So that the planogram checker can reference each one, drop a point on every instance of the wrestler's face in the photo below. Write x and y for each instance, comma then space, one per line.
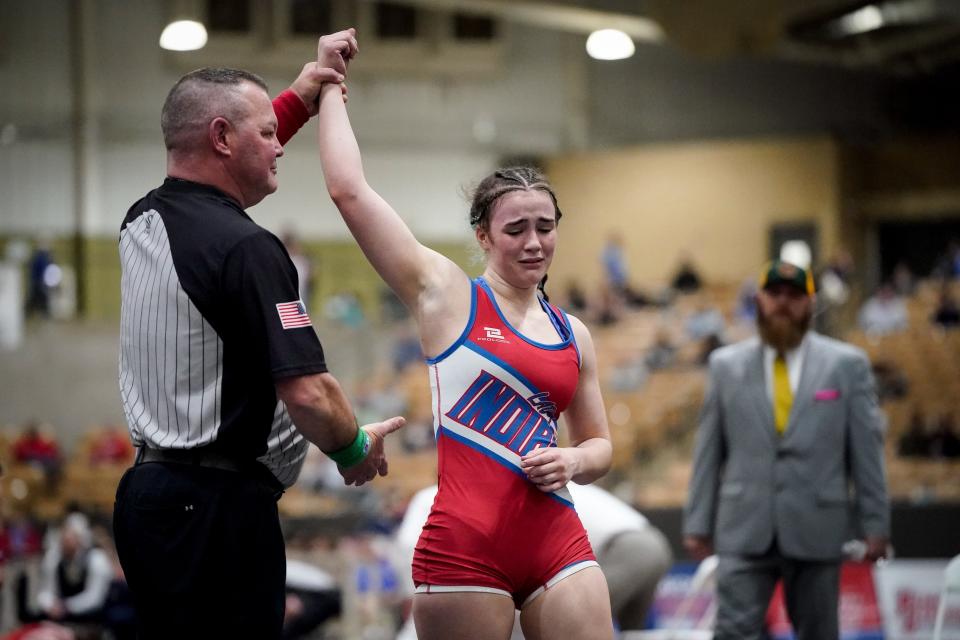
783, 315
255, 163
521, 236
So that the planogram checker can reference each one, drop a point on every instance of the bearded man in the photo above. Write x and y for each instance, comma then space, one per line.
788, 465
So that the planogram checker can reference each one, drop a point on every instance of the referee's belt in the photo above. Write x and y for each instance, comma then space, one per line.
211, 458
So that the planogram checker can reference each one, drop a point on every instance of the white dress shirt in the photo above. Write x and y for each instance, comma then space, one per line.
794, 360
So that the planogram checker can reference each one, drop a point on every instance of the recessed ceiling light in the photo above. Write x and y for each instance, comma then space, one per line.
183, 35
609, 44
862, 20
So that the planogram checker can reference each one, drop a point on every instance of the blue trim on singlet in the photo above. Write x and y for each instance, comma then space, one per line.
493, 456
550, 347
555, 319
573, 338
466, 330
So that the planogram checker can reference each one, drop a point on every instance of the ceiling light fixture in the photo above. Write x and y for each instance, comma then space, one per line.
183, 35
862, 20
609, 44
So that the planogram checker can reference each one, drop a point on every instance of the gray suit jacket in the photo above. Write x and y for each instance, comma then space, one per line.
750, 484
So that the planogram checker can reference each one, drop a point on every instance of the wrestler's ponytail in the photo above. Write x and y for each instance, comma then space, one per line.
541, 286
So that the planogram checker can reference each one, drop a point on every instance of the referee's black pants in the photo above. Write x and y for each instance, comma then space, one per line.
202, 552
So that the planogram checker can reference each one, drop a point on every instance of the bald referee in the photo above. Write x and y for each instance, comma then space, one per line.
222, 378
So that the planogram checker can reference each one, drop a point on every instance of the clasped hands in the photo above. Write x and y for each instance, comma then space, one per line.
334, 53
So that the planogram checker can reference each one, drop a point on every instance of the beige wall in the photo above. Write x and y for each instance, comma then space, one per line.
714, 201
337, 266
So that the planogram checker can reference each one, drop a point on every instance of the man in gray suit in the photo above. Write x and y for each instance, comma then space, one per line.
789, 456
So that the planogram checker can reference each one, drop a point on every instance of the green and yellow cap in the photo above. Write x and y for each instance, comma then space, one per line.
780, 272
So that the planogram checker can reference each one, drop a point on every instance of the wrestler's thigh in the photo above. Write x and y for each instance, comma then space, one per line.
462, 615
576, 608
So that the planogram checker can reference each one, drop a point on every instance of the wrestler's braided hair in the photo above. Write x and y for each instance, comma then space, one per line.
503, 181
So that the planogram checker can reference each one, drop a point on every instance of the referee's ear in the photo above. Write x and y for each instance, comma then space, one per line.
218, 132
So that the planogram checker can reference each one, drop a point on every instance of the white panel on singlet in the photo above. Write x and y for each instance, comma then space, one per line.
171, 359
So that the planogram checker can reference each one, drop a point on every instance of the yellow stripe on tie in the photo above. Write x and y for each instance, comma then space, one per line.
782, 395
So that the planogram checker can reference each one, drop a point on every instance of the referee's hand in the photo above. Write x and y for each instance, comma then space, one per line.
376, 462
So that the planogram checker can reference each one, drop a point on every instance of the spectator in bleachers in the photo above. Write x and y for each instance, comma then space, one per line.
35, 447
576, 298
391, 308
686, 279
75, 577
405, 349
710, 344
833, 294
617, 274
344, 308
615, 264
119, 618
915, 442
42, 267
904, 283
111, 446
663, 353
23, 536
840, 266
747, 302
609, 307
883, 313
948, 267
312, 598
418, 435
892, 383
628, 373
706, 326
944, 441
947, 313
705, 321
319, 473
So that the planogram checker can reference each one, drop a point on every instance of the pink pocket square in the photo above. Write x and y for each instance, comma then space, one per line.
826, 395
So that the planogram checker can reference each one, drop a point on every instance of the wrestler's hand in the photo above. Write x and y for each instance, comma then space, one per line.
376, 462
551, 468
337, 49
308, 83
699, 547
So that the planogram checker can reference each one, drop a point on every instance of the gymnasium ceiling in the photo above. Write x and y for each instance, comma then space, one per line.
901, 37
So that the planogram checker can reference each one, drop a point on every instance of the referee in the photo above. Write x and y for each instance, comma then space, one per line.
218, 362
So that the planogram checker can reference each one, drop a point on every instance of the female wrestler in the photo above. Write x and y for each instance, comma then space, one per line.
503, 364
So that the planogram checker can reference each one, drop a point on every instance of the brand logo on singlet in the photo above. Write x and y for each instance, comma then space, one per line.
492, 334
492, 407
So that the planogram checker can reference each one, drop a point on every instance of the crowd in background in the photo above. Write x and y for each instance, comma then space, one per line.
64, 573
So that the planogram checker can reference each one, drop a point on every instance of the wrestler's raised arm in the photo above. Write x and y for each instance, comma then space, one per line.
433, 287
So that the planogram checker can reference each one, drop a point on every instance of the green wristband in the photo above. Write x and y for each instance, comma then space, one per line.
354, 452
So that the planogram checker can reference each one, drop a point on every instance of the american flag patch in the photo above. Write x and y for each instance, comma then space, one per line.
293, 315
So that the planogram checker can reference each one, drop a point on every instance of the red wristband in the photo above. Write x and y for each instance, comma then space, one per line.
291, 115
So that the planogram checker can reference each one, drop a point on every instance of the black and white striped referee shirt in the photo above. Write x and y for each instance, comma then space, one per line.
210, 319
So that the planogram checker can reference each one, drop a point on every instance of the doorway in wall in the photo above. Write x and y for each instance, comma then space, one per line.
919, 244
